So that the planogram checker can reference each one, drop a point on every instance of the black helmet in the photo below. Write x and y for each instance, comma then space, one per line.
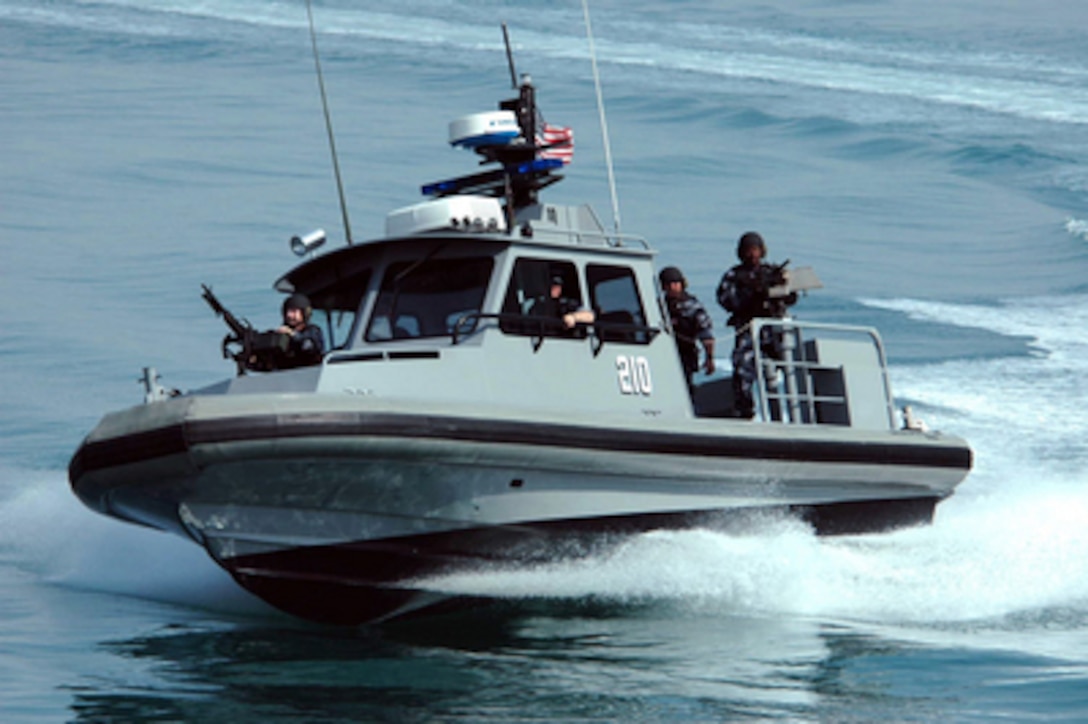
749, 240
298, 300
671, 274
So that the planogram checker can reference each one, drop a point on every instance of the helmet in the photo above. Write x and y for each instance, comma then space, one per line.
298, 300
671, 274
749, 240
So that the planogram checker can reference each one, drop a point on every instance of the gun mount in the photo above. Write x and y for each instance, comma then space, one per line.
250, 349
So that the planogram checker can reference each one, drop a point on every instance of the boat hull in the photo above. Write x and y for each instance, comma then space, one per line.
334, 511
368, 581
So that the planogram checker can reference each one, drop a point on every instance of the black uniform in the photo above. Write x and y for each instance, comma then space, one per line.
305, 346
691, 322
743, 291
554, 308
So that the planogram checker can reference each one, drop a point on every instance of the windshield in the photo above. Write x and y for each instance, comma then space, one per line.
426, 298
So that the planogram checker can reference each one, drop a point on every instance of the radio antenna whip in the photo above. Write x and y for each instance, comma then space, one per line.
509, 58
328, 124
604, 123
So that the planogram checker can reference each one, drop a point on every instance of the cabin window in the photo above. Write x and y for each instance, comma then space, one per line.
428, 298
337, 306
614, 296
529, 308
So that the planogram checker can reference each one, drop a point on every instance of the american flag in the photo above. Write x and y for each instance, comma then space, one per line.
560, 142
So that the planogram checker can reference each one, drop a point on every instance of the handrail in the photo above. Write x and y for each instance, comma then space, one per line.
610, 239
790, 397
543, 324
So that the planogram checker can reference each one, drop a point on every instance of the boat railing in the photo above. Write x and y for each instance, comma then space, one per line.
540, 327
816, 373
583, 237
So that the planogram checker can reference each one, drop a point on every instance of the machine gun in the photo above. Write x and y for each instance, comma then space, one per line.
783, 282
250, 349
762, 279
771, 288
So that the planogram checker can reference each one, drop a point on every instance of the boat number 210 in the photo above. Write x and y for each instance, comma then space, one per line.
634, 375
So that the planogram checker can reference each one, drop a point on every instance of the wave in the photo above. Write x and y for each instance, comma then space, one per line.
1045, 319
1024, 415
1012, 155
1016, 84
1077, 228
967, 566
46, 534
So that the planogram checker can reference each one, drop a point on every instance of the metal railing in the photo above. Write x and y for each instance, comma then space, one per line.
797, 382
538, 327
579, 237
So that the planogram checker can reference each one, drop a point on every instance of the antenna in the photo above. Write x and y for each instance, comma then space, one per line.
328, 124
509, 58
604, 123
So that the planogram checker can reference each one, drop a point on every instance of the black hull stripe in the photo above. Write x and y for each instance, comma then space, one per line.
179, 438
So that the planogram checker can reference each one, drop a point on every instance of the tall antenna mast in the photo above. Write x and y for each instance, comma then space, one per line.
604, 123
509, 58
328, 125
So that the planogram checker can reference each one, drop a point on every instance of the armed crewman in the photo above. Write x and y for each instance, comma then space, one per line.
745, 292
306, 343
296, 343
690, 323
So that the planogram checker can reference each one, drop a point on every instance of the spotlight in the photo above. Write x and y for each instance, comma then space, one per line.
303, 245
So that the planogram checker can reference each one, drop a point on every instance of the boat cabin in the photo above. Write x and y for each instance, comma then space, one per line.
450, 315
446, 308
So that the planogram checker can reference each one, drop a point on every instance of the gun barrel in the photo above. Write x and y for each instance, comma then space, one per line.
239, 329
210, 298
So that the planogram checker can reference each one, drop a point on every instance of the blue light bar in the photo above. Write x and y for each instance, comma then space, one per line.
538, 164
439, 187
453, 185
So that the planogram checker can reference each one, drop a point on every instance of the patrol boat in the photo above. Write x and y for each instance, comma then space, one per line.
448, 427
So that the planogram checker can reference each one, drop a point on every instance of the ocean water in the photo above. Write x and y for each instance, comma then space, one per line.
929, 159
